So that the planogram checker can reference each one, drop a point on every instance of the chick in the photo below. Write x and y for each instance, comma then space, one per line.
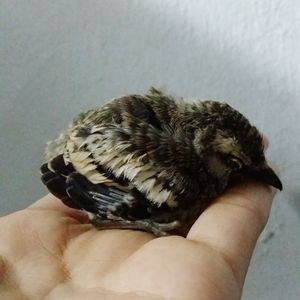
152, 162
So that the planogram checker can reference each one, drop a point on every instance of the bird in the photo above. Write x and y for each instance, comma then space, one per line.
153, 162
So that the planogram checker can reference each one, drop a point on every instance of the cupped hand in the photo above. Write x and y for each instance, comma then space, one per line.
50, 251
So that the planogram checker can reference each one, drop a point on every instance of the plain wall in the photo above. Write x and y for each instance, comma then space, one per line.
58, 58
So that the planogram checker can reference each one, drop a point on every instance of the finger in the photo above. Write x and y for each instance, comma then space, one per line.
232, 224
52, 203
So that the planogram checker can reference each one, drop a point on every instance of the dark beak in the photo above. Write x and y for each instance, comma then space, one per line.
266, 175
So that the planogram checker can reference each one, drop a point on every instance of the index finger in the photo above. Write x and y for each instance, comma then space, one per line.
233, 223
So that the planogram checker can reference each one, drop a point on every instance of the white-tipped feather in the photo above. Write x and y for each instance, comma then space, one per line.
101, 148
95, 177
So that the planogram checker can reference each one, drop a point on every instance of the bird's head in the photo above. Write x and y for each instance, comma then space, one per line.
232, 145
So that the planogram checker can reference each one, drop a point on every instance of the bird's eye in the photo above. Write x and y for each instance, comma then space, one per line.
234, 163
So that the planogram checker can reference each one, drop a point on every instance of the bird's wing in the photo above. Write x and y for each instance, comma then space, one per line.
126, 139
112, 202
108, 201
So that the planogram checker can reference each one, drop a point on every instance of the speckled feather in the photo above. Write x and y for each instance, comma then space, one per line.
144, 161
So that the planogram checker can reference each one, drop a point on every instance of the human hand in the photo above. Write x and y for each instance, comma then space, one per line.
49, 251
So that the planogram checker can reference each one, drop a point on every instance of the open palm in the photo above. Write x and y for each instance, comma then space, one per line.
49, 251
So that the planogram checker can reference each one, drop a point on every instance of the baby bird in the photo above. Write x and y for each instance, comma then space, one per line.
152, 162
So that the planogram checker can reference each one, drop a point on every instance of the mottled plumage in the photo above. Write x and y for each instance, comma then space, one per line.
152, 162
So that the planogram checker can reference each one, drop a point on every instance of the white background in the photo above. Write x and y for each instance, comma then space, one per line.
58, 58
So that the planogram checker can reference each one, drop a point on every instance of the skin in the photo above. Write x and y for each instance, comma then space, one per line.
49, 251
